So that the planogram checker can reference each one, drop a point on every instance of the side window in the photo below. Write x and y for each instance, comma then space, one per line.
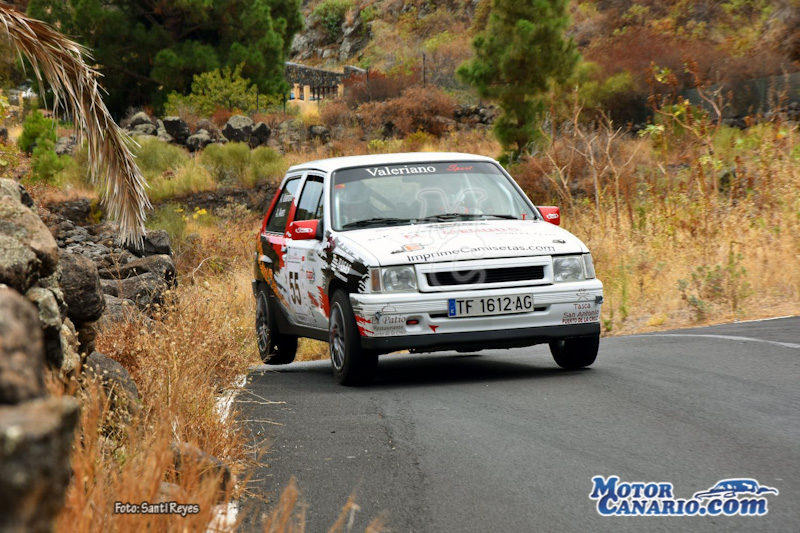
310, 205
277, 219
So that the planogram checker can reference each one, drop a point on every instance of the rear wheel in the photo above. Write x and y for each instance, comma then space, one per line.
574, 353
273, 347
352, 365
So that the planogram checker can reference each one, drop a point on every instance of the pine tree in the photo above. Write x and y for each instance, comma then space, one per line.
518, 56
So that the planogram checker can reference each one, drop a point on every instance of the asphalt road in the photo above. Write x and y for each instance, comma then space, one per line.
506, 441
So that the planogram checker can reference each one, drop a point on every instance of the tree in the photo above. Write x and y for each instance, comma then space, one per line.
518, 56
146, 49
60, 62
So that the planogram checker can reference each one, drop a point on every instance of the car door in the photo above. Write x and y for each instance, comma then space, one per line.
305, 259
272, 243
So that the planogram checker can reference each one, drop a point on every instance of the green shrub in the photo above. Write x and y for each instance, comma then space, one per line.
75, 170
265, 165
218, 89
36, 126
190, 178
367, 15
331, 15
44, 162
227, 163
155, 157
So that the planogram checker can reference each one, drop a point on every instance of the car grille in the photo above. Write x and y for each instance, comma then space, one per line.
490, 275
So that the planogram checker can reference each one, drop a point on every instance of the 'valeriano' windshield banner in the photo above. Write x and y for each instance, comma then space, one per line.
413, 169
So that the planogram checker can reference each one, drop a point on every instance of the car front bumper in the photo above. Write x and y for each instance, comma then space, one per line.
560, 311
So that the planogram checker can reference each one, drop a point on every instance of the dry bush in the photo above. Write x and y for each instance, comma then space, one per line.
418, 109
273, 120
441, 64
220, 116
585, 161
375, 86
45, 193
334, 113
639, 48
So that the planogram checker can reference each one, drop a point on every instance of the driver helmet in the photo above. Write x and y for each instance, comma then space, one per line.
353, 202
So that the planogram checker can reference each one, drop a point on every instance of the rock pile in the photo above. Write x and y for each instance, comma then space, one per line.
129, 278
176, 130
289, 135
474, 115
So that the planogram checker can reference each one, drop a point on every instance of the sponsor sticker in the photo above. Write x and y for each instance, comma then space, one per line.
581, 317
340, 267
479, 250
408, 248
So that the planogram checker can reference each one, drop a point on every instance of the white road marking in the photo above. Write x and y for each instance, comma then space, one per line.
761, 319
725, 337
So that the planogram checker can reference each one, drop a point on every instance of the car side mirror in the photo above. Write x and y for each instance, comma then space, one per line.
303, 230
551, 214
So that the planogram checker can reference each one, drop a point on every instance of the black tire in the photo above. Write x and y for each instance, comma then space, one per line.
273, 347
575, 353
352, 365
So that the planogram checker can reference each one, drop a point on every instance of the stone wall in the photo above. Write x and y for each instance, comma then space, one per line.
311, 76
55, 283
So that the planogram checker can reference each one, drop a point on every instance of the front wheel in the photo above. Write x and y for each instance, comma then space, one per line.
352, 365
273, 347
575, 353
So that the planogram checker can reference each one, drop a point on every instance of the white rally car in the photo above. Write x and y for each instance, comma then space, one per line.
420, 252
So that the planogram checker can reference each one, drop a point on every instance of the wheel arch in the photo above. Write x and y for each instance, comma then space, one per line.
335, 285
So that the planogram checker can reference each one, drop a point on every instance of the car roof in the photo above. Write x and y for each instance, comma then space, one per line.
337, 163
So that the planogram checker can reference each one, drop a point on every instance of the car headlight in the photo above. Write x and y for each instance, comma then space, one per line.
568, 268
397, 279
589, 264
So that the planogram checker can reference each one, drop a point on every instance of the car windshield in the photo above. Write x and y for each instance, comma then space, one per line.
423, 193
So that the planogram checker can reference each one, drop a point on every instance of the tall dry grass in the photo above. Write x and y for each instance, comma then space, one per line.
183, 359
691, 222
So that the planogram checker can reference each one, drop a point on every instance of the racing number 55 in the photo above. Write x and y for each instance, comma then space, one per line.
294, 287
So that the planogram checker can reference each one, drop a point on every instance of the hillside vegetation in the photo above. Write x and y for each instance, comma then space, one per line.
729, 40
691, 219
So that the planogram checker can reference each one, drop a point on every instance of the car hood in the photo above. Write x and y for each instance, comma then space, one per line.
463, 240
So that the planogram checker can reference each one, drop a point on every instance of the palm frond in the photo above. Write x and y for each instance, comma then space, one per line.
75, 89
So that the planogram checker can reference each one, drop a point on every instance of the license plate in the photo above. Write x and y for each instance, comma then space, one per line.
490, 305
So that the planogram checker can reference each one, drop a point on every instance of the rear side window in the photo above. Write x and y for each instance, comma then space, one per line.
310, 205
279, 215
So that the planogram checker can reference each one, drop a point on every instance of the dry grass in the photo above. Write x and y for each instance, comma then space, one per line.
189, 178
132, 470
685, 229
193, 350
